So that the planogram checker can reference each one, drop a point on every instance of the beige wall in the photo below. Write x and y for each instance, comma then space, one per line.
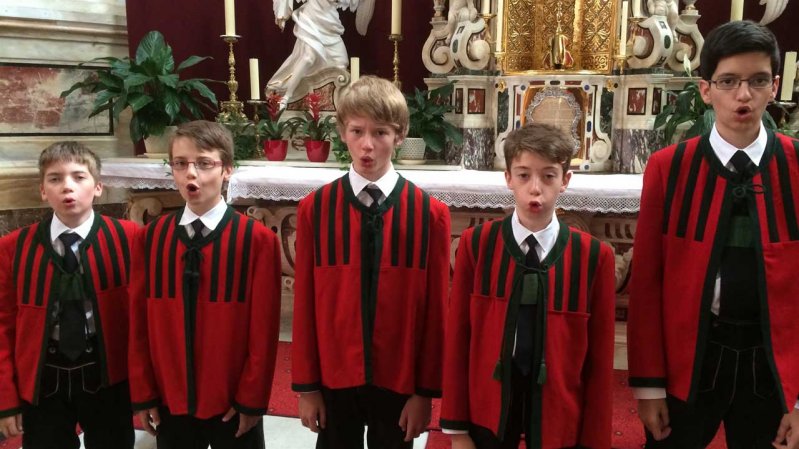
57, 32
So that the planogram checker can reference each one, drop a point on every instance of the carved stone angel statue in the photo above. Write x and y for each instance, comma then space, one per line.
318, 30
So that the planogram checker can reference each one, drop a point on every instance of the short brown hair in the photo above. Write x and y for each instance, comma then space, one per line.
69, 151
208, 136
375, 98
545, 140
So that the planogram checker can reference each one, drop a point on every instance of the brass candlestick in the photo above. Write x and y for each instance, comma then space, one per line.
487, 36
257, 104
499, 57
232, 108
396, 38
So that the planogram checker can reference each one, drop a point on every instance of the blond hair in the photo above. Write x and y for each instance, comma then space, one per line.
377, 99
545, 140
208, 136
69, 151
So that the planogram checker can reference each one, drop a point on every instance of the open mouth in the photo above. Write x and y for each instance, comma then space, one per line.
193, 188
535, 205
743, 111
69, 201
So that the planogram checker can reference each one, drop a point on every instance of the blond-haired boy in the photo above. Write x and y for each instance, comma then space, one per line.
372, 271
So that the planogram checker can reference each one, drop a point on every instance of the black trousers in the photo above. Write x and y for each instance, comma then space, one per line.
349, 409
70, 394
188, 432
736, 387
520, 409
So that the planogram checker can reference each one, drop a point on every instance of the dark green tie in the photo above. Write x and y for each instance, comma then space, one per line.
376, 195
72, 318
525, 327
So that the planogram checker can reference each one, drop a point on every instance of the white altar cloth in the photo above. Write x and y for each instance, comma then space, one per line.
611, 193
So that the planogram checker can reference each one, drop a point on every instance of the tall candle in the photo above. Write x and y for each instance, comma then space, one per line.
485, 7
355, 69
396, 16
623, 40
500, 22
230, 18
737, 10
255, 90
637, 8
788, 76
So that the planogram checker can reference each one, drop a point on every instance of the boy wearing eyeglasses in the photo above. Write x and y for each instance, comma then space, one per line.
713, 302
205, 307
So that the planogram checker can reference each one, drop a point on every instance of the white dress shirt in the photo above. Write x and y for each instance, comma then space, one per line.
386, 184
209, 219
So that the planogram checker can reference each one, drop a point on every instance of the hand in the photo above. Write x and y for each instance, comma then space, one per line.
788, 432
312, 411
654, 413
246, 422
11, 426
415, 416
462, 441
281, 23
150, 419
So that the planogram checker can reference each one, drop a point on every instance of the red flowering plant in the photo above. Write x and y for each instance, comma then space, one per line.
270, 127
312, 125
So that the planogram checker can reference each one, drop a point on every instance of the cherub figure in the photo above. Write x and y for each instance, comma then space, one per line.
318, 30
459, 10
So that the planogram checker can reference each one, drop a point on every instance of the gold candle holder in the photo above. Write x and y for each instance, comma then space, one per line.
396, 38
499, 57
233, 108
487, 36
256, 104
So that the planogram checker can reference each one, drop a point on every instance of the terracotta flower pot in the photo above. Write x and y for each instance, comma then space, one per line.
275, 150
317, 150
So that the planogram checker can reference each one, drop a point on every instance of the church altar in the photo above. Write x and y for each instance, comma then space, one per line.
604, 205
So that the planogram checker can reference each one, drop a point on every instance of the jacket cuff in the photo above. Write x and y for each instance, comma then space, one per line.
454, 425
244, 410
306, 388
10, 412
428, 393
139, 406
647, 382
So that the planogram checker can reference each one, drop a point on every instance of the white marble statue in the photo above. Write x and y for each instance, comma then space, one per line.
666, 8
459, 11
318, 30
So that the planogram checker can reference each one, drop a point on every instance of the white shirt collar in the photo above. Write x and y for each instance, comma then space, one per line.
386, 182
57, 227
209, 219
546, 237
724, 150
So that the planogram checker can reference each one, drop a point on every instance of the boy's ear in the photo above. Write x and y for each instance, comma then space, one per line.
227, 172
98, 189
507, 177
566, 178
704, 90
42, 192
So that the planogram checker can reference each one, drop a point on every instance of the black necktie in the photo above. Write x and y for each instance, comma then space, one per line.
743, 164
738, 289
526, 323
376, 195
72, 317
198, 227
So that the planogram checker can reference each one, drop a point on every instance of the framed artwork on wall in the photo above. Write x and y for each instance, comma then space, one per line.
32, 103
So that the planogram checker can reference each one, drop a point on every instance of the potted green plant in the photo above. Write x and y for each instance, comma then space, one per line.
427, 109
688, 107
150, 86
273, 130
315, 130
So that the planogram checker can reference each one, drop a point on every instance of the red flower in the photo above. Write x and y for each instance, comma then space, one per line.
313, 101
273, 106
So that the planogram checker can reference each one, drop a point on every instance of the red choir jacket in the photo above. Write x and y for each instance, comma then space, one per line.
682, 228
200, 348
370, 290
30, 270
572, 400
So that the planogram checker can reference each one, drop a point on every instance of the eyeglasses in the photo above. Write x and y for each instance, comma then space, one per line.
200, 164
755, 82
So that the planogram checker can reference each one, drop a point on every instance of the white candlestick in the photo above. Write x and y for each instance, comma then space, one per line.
500, 22
737, 10
485, 7
255, 89
637, 8
788, 76
355, 69
396, 16
230, 18
623, 40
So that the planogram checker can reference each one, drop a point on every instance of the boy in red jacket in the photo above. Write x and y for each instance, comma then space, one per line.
528, 347
64, 314
205, 307
372, 270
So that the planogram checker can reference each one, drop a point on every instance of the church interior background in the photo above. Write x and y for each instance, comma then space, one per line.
601, 69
